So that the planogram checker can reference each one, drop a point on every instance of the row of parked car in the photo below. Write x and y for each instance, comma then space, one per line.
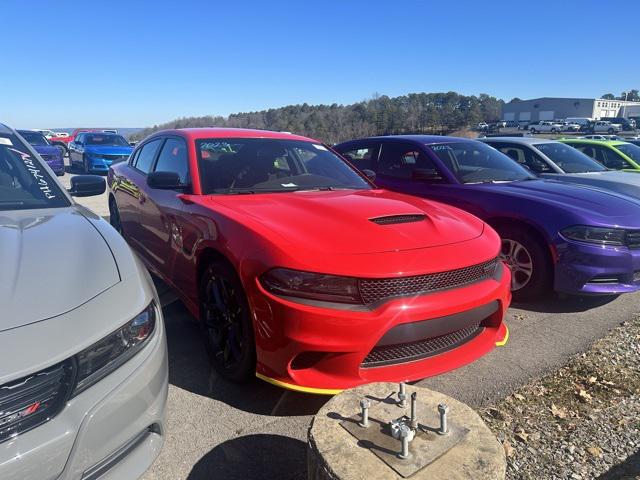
606, 125
90, 150
314, 267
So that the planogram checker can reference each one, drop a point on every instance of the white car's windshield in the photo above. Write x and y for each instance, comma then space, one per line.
24, 182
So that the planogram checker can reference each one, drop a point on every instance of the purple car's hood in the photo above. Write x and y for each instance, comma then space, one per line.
587, 199
53, 261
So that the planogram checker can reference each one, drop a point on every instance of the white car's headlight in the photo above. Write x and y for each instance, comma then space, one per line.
108, 354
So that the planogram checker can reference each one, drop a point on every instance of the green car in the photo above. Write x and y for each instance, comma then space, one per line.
613, 154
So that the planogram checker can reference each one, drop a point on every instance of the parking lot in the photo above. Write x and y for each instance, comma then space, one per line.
221, 430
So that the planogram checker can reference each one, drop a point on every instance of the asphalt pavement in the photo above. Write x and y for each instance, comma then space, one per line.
219, 430
256, 431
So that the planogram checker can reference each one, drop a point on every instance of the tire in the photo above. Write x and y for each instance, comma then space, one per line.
553, 130
611, 130
533, 130
225, 318
85, 165
64, 150
528, 249
114, 216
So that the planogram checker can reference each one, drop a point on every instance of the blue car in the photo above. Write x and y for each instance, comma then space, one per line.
51, 154
95, 152
576, 239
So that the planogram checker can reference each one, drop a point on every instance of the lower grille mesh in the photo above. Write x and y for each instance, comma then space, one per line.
408, 352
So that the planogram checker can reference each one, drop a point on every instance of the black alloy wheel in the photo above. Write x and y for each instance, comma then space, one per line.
114, 216
226, 322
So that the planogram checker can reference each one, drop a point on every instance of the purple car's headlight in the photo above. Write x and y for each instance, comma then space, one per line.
108, 354
313, 286
598, 235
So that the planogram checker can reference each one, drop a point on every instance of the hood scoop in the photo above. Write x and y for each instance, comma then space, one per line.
394, 219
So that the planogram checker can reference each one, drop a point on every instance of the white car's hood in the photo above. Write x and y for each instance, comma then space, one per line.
51, 262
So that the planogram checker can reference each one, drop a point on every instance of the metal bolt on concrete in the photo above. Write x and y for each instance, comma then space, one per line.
337, 451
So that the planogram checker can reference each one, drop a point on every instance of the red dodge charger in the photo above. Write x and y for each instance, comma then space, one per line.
299, 269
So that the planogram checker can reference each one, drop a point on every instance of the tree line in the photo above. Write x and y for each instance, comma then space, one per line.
632, 95
416, 113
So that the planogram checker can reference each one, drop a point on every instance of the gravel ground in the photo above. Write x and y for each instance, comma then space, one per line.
580, 422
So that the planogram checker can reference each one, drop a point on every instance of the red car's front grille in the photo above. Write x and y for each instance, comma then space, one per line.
408, 352
374, 290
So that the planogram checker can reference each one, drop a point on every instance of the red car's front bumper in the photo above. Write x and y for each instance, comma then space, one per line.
322, 350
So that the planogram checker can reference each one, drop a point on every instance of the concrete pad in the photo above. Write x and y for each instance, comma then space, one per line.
333, 453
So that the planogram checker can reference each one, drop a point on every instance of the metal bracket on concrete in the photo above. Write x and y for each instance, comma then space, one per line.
383, 438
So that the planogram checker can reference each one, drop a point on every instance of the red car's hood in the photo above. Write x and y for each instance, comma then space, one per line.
340, 221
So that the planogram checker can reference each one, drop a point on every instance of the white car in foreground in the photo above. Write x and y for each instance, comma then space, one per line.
83, 370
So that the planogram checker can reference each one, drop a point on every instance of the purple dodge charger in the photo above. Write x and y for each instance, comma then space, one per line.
49, 153
572, 238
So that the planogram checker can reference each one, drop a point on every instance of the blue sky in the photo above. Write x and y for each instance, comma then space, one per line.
136, 63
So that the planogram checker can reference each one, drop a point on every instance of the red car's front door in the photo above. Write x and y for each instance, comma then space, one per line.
160, 210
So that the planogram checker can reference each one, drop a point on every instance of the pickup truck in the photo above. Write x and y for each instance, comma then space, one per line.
570, 127
544, 126
604, 126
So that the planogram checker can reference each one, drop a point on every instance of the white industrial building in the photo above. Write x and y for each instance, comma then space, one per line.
549, 108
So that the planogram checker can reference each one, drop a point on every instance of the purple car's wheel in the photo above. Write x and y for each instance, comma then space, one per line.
226, 323
527, 255
518, 258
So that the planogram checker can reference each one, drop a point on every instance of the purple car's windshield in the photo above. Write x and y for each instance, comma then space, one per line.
475, 162
35, 138
630, 150
261, 165
569, 159
24, 182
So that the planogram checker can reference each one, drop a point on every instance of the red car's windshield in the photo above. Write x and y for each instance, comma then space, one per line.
255, 165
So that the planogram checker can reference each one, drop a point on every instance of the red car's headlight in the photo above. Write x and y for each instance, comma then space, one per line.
314, 286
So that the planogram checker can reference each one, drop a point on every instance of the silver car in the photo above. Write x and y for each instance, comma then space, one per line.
83, 370
561, 162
